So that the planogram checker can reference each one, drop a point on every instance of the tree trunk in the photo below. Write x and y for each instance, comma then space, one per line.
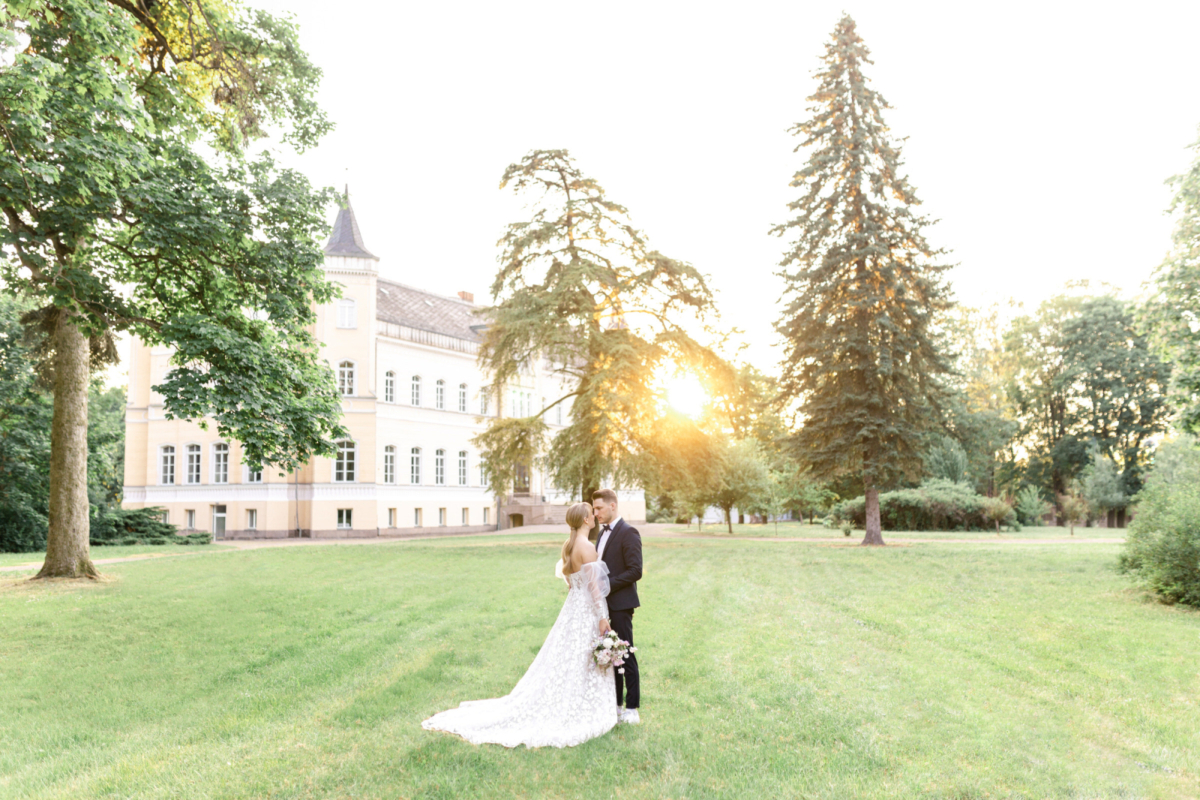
67, 552
874, 526
729, 520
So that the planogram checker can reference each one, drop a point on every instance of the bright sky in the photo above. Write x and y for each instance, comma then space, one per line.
1040, 134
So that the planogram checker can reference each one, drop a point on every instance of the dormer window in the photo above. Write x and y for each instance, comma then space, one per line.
347, 313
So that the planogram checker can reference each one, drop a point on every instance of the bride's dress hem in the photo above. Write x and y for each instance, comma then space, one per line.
563, 699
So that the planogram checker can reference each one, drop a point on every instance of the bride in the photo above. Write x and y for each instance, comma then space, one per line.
563, 699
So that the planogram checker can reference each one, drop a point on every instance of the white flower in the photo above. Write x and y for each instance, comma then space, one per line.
622, 670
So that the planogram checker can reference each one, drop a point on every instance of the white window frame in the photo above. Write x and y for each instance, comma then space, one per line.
345, 470
189, 516
486, 515
251, 519
389, 464
166, 465
439, 395
415, 396
389, 387
220, 462
347, 313
417, 515
466, 516
347, 377
462, 397
391, 517
441, 517
253, 476
190, 450
414, 466
439, 467
483, 401
462, 467
345, 519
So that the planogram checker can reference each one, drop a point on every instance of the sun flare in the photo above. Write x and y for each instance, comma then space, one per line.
686, 395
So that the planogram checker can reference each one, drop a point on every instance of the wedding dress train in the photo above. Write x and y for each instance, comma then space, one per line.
563, 698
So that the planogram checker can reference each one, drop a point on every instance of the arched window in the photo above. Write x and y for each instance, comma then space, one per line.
462, 467
347, 313
389, 464
416, 390
440, 396
346, 377
344, 462
166, 462
414, 475
462, 397
193, 463
220, 463
389, 387
439, 467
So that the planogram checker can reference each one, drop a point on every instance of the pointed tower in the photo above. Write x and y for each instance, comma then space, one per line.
345, 251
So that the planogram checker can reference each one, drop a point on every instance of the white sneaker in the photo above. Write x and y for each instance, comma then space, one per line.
629, 716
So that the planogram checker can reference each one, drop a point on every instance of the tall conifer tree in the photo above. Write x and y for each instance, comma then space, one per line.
862, 288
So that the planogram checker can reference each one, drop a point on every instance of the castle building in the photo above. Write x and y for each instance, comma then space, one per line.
405, 362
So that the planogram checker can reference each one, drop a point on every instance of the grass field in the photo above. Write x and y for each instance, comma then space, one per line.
112, 551
770, 669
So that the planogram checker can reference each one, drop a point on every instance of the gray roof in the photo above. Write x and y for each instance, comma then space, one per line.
416, 308
346, 239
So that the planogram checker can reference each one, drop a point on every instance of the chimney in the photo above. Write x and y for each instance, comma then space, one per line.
470, 298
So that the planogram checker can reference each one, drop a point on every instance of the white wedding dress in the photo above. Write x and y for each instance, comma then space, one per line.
563, 699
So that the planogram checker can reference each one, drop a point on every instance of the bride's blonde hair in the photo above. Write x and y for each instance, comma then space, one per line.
576, 517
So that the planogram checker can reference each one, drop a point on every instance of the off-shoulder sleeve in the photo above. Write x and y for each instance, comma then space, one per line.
596, 576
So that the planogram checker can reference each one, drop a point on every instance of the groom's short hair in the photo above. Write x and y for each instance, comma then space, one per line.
607, 495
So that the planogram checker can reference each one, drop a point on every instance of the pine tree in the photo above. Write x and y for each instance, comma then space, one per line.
862, 289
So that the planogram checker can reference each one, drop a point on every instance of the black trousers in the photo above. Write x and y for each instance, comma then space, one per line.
628, 687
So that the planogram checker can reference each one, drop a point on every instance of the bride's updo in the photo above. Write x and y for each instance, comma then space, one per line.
577, 516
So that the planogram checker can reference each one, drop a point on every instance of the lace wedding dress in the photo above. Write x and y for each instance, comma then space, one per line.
563, 699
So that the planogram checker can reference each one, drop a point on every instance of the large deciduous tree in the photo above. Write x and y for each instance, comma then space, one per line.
863, 289
114, 222
1171, 316
579, 288
1085, 377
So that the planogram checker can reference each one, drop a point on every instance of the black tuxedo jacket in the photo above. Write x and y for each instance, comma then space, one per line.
623, 555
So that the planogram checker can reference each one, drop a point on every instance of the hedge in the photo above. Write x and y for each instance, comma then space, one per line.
935, 505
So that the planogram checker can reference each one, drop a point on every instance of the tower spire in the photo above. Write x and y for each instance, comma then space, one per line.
346, 239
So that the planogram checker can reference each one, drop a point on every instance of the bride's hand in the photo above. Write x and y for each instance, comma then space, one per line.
604, 627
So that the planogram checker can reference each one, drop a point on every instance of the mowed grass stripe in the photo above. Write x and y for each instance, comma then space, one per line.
770, 669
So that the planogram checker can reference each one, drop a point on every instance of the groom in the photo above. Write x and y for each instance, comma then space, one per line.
619, 545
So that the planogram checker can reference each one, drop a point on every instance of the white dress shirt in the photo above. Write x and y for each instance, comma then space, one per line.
604, 538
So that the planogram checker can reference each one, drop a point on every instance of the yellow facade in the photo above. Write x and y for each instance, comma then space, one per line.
413, 396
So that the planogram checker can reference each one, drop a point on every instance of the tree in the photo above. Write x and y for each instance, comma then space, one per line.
947, 459
681, 468
1030, 506
114, 222
1171, 316
1085, 376
862, 292
1074, 508
580, 288
742, 477
995, 511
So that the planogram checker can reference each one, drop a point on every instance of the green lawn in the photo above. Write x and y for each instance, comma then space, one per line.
805, 531
113, 551
771, 669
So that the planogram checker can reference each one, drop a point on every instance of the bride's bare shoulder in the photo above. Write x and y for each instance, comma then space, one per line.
585, 549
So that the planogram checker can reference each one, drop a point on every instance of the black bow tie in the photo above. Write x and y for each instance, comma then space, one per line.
605, 528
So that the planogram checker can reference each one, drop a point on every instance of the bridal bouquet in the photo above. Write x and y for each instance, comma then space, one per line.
610, 650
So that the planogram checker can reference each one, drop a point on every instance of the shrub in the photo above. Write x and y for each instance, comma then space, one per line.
138, 526
937, 504
1030, 506
1162, 547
